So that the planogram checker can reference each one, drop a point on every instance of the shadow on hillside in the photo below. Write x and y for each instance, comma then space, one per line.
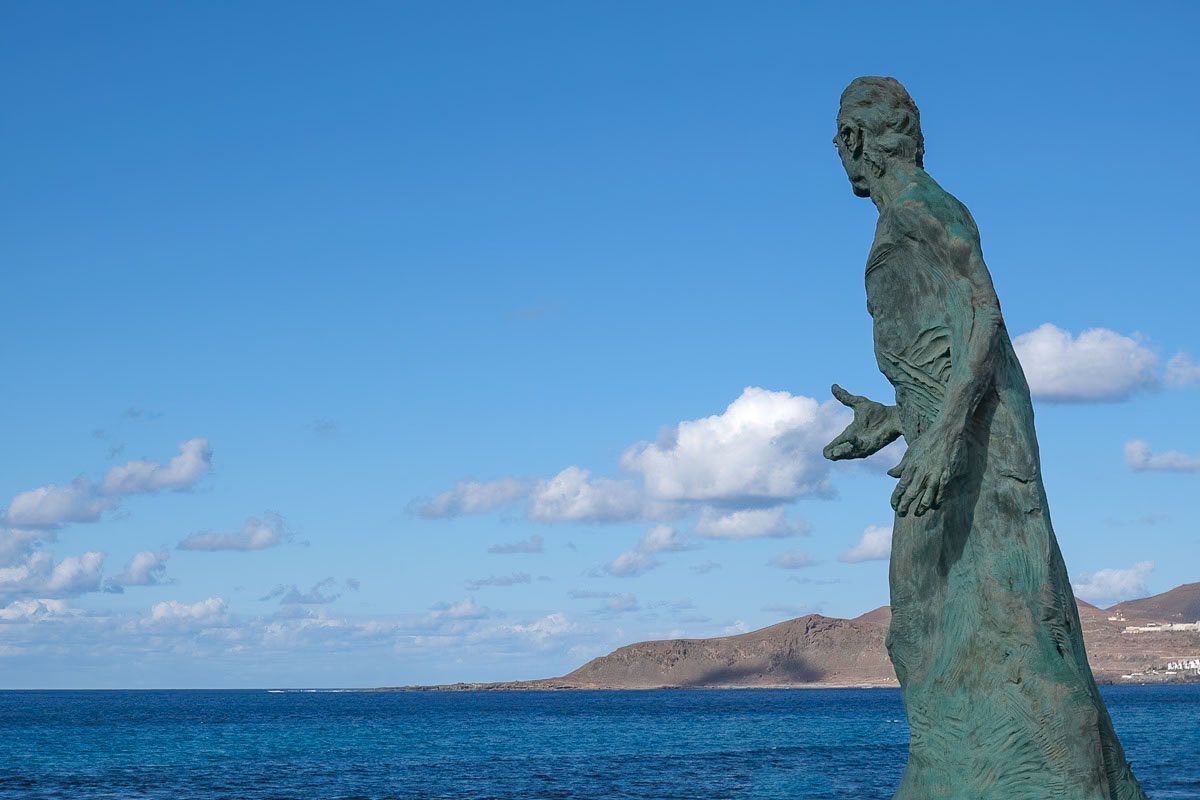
794, 671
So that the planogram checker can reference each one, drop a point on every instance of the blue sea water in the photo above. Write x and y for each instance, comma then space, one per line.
795, 744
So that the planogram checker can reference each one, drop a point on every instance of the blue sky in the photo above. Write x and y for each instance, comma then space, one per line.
309, 309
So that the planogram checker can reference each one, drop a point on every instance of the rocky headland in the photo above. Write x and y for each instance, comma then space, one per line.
1138, 641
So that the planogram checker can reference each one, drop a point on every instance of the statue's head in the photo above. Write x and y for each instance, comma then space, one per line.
878, 127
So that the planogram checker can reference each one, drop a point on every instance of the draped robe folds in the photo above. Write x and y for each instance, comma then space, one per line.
985, 634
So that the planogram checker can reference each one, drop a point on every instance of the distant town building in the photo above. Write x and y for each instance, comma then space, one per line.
1164, 627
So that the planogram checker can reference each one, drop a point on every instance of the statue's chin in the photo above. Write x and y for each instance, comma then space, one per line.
860, 191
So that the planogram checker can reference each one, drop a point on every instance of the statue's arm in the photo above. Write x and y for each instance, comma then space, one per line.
975, 326
977, 331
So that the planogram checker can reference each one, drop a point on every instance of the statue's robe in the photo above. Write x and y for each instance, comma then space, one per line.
985, 634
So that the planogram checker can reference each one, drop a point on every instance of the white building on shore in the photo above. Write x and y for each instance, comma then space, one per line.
1164, 627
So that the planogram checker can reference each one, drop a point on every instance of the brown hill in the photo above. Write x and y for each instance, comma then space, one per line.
1181, 604
814, 651
811, 651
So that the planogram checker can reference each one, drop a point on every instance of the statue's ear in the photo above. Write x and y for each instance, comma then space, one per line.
852, 140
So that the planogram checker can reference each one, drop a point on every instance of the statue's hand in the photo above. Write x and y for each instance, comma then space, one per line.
925, 471
874, 427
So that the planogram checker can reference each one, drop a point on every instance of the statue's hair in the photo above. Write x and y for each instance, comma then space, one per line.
883, 107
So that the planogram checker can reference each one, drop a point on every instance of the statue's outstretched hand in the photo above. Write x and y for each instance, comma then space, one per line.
874, 427
925, 471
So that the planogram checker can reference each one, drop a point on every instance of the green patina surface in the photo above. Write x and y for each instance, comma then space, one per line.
985, 634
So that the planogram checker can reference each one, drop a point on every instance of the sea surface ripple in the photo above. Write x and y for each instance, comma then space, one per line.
252, 745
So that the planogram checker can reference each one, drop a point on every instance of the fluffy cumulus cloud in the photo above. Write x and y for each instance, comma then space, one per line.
84, 501
473, 497
631, 563
641, 559
463, 609
36, 573
573, 495
147, 568
1113, 585
256, 534
1182, 371
1139, 456
764, 448
33, 610
214, 610
1096, 365
750, 523
53, 505
764, 445
544, 628
875, 545
16, 544
181, 472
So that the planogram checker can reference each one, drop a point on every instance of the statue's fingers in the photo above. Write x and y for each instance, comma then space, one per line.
844, 397
928, 499
913, 491
837, 450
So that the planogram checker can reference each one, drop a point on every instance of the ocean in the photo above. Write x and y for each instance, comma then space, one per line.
239, 745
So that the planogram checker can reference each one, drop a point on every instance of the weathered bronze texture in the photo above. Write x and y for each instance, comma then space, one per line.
985, 634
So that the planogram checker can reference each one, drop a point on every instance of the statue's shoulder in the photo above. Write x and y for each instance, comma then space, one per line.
925, 205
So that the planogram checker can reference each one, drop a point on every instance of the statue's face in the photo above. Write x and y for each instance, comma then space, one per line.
849, 142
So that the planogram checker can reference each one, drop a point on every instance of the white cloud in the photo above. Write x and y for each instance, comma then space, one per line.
663, 539
256, 534
31, 610
875, 545
76, 574
531, 545
38, 574
53, 505
474, 497
640, 559
573, 495
1113, 585
1097, 365
147, 568
631, 563
792, 559
547, 627
706, 567
1140, 457
84, 501
181, 472
750, 523
17, 544
212, 610
764, 445
463, 609
1182, 371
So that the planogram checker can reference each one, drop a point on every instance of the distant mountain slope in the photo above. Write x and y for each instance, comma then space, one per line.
822, 651
1181, 604
812, 650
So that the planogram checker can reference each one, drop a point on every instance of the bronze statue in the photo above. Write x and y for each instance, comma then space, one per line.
985, 633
